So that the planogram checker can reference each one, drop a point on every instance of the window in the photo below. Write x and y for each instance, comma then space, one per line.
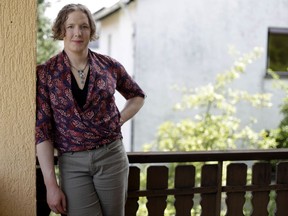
277, 50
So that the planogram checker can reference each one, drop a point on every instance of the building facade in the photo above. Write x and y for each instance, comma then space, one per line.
163, 43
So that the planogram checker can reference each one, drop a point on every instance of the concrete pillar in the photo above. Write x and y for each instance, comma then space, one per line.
17, 107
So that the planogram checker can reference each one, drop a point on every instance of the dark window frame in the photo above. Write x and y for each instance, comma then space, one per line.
275, 31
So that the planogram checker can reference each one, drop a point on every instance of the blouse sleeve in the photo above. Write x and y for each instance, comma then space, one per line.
126, 85
44, 120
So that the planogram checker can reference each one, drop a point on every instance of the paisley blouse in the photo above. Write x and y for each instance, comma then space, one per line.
58, 116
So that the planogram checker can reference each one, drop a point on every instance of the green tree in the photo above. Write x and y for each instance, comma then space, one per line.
46, 46
281, 132
216, 126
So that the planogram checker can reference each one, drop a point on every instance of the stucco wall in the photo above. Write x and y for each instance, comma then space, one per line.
186, 43
17, 92
116, 40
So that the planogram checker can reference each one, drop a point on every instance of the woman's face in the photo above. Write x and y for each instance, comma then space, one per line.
77, 32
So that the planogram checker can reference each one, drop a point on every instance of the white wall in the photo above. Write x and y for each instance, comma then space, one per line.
186, 43
116, 40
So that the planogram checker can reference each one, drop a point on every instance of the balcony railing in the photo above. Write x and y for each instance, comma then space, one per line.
220, 186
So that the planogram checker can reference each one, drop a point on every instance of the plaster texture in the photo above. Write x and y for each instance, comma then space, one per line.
17, 107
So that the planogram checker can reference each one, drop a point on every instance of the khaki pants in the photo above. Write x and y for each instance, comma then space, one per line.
95, 181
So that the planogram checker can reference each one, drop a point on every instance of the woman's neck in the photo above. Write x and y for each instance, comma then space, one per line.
77, 59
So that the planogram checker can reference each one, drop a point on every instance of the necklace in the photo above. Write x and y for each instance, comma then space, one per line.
81, 73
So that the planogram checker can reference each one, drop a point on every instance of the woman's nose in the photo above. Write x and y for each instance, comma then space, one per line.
78, 31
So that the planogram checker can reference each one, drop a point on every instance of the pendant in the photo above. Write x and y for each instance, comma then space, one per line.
82, 76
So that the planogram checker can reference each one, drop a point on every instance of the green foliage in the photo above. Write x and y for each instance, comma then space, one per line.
216, 126
281, 132
46, 47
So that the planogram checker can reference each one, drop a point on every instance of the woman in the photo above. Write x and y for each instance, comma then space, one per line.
77, 115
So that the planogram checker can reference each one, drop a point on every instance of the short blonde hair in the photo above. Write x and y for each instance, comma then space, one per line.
58, 28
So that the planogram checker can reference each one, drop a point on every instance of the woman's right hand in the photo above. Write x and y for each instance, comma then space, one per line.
56, 200
55, 197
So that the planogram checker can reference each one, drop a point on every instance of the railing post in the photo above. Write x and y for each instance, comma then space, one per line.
184, 178
236, 176
209, 178
219, 188
261, 176
157, 179
132, 205
282, 196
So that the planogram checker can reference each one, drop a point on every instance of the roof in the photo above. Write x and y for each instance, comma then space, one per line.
104, 12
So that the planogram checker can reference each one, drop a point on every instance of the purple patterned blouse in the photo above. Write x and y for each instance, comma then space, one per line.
60, 119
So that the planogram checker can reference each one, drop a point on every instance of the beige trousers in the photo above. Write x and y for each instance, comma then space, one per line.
95, 181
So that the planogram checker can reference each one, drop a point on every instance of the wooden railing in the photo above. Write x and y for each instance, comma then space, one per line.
222, 188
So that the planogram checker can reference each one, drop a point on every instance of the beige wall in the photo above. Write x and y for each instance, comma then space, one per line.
17, 81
